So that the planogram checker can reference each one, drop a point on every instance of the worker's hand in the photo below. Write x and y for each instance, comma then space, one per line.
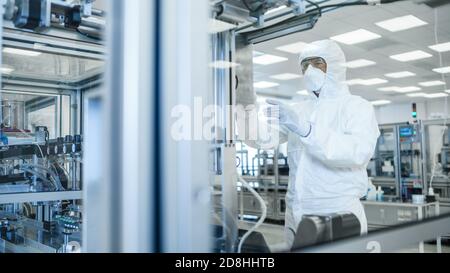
278, 111
285, 116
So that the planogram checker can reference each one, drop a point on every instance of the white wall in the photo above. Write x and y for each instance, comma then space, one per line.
401, 112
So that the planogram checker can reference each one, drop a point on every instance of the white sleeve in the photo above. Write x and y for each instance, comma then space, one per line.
352, 148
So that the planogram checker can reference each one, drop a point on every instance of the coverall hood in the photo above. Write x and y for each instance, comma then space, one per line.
333, 55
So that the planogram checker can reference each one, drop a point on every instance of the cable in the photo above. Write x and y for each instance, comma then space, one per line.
88, 36
40, 150
39, 175
316, 5
261, 219
359, 3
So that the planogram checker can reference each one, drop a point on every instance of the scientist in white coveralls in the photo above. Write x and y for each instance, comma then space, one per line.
331, 139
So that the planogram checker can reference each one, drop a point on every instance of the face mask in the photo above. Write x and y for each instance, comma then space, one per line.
314, 79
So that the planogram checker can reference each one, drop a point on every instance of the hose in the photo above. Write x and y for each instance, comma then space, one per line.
39, 175
261, 219
55, 177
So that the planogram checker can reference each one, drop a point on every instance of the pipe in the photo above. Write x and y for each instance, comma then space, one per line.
261, 219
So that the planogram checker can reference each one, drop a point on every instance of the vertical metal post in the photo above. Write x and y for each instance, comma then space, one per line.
224, 94
183, 76
397, 162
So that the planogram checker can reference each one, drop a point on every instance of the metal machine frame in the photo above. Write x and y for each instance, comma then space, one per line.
61, 42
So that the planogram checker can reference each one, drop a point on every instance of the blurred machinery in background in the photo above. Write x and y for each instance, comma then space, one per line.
52, 55
411, 158
32, 164
269, 177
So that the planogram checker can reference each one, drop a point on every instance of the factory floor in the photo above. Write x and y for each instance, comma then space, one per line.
274, 236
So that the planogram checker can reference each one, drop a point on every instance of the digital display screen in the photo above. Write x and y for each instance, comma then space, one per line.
406, 131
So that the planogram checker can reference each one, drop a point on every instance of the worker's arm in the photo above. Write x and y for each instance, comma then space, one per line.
349, 149
261, 135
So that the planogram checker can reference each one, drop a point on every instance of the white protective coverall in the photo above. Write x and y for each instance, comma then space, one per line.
328, 167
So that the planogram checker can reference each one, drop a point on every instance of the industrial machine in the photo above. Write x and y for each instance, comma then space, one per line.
52, 56
397, 166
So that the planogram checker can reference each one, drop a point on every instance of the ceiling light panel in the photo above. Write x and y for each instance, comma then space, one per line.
417, 95
431, 83
401, 23
268, 59
443, 47
359, 63
399, 75
442, 70
356, 37
436, 95
381, 102
294, 48
265, 85
366, 82
285, 77
400, 89
411, 56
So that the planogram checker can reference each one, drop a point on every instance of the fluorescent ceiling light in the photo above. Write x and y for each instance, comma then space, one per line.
355, 37
367, 82
276, 9
6, 70
359, 63
398, 75
264, 85
303, 92
22, 52
441, 47
388, 88
442, 70
431, 83
448, 91
401, 23
381, 102
400, 89
374, 81
267, 59
411, 56
416, 95
436, 95
216, 26
294, 48
353, 82
223, 65
407, 89
285, 76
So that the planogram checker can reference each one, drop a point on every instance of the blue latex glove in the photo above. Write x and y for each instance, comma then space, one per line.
285, 116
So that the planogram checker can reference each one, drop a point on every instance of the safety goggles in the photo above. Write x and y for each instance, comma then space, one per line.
314, 61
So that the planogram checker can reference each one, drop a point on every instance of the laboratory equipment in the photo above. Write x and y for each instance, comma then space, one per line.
53, 56
397, 166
